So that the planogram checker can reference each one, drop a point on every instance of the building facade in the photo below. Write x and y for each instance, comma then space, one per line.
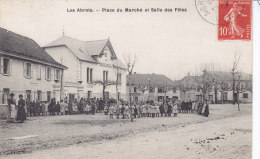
91, 65
25, 68
220, 87
155, 87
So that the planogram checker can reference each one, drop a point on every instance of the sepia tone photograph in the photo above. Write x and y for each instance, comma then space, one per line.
126, 79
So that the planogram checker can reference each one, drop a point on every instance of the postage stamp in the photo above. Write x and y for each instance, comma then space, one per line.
234, 20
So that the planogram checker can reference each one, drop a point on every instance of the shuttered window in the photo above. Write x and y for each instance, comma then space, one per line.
28, 70
5, 66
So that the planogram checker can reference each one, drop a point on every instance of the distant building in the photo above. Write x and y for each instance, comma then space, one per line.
89, 62
27, 69
221, 87
154, 87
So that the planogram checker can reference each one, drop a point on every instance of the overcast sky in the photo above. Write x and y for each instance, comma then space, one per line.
166, 43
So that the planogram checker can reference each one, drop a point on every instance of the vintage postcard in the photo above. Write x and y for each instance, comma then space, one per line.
143, 79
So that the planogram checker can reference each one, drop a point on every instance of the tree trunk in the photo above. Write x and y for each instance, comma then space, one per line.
104, 88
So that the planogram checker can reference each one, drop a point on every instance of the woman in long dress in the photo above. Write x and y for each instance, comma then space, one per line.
12, 109
21, 114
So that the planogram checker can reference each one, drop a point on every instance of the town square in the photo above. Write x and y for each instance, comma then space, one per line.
97, 83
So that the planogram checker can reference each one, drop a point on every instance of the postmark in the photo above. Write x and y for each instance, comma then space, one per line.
234, 19
208, 10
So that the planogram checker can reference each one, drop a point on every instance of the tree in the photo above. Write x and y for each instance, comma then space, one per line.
234, 71
116, 72
130, 63
104, 84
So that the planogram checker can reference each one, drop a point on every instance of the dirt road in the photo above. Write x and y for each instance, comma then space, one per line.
225, 138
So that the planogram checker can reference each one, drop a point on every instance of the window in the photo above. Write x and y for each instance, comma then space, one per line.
135, 89
5, 66
48, 96
224, 96
28, 95
119, 79
39, 95
38, 71
89, 94
151, 90
27, 70
48, 73
57, 74
174, 90
89, 75
105, 76
245, 95
5, 95
160, 90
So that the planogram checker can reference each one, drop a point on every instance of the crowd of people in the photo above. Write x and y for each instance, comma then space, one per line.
112, 108
156, 109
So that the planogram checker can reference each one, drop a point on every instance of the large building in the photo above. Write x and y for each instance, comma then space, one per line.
220, 87
154, 87
91, 65
25, 68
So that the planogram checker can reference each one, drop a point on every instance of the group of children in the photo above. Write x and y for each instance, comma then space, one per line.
148, 109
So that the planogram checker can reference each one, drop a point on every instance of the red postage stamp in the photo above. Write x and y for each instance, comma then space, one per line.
234, 19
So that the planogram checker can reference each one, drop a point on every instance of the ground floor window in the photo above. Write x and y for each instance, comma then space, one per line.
224, 96
89, 94
71, 97
106, 95
39, 95
245, 95
5, 95
49, 96
28, 95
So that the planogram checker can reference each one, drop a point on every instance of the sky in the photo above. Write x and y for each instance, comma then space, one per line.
169, 43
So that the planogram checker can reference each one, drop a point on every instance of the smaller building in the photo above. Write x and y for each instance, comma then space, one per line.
25, 68
219, 85
156, 87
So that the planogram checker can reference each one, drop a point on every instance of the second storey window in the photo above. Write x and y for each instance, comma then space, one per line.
105, 76
38, 71
119, 78
89, 75
48, 73
57, 74
5, 66
28, 71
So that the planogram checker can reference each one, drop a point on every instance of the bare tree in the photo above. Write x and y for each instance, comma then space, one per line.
130, 63
116, 72
234, 71
104, 84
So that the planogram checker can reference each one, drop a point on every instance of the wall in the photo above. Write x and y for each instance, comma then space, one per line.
77, 71
18, 84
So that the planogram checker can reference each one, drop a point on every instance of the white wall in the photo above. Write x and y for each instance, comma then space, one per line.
77, 70
18, 84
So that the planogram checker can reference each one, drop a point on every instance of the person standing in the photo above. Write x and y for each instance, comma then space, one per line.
175, 110
21, 114
11, 109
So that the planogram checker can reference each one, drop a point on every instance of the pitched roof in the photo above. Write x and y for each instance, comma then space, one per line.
156, 80
227, 76
13, 43
219, 76
86, 50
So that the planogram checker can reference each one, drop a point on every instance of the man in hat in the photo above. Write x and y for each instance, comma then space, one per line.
11, 109
21, 114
